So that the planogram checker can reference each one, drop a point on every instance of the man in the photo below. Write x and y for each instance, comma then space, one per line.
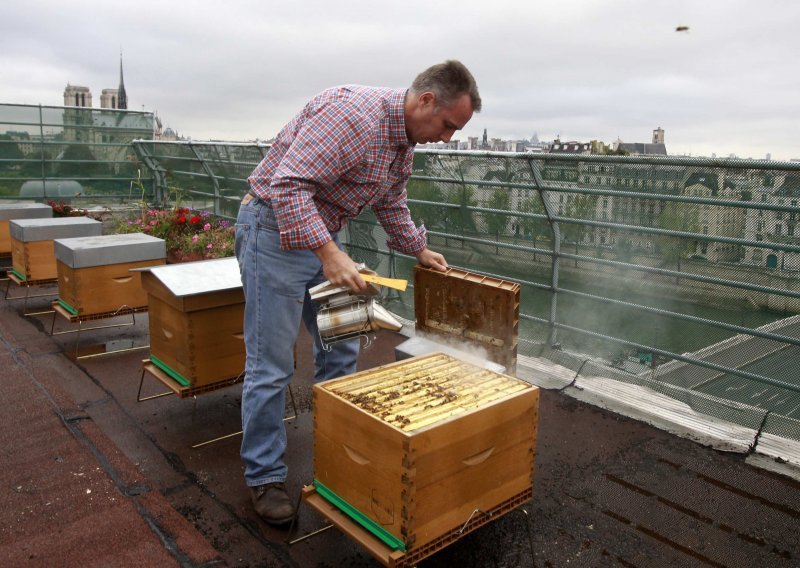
349, 147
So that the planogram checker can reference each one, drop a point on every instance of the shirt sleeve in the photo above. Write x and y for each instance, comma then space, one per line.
330, 142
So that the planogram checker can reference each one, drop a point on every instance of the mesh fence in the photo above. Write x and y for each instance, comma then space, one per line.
72, 154
680, 275
202, 175
675, 274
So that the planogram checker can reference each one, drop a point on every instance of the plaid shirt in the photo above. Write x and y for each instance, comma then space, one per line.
345, 150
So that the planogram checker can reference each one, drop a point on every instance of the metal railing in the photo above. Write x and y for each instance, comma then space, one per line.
679, 274
72, 154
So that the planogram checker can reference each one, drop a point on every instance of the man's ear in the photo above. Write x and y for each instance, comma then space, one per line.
427, 98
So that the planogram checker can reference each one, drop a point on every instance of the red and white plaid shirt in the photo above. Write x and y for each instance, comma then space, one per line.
345, 150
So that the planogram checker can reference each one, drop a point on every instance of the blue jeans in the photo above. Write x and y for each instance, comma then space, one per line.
276, 284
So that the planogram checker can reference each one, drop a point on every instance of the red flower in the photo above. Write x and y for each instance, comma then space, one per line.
181, 219
196, 219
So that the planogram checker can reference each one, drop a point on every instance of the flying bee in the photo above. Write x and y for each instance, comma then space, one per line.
682, 29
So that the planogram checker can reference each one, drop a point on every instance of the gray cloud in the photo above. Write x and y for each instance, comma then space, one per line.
584, 69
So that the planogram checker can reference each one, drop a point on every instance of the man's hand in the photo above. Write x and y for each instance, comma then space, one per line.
432, 259
339, 268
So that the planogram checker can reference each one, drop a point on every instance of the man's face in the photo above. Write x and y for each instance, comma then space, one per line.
432, 122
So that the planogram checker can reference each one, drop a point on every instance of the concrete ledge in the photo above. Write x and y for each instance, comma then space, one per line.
662, 412
544, 373
777, 454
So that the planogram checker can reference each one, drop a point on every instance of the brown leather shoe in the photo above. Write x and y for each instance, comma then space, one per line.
272, 503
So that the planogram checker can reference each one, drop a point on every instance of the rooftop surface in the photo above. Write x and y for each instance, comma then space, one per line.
92, 477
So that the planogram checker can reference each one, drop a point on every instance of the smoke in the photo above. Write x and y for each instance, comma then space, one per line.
467, 351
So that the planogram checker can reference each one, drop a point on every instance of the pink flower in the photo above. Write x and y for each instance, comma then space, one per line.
207, 227
210, 246
195, 238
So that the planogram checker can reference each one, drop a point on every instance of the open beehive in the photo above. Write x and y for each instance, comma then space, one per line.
412, 449
196, 312
95, 276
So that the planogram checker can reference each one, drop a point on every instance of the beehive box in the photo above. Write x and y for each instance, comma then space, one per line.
415, 447
32, 248
196, 312
95, 276
472, 311
9, 211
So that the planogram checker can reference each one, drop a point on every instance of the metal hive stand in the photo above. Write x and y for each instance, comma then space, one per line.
28, 284
59, 309
398, 558
181, 391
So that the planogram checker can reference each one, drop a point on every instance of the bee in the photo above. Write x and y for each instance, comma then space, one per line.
682, 29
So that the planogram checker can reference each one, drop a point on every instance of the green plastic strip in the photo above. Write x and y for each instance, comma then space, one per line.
385, 536
18, 275
171, 372
67, 307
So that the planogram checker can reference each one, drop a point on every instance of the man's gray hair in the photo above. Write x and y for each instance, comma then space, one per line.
448, 81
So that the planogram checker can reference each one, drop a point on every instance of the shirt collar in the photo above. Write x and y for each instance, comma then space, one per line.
397, 118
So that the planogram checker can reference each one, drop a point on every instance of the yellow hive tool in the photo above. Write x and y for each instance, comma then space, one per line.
396, 283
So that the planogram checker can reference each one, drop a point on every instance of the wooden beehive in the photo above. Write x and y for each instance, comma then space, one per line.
417, 446
196, 312
32, 248
95, 273
479, 311
11, 211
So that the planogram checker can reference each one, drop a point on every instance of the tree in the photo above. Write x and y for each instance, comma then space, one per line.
77, 161
530, 226
682, 217
496, 223
460, 220
424, 190
580, 207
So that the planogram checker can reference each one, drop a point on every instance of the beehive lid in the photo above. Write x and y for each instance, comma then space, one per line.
24, 211
82, 252
202, 277
423, 391
27, 230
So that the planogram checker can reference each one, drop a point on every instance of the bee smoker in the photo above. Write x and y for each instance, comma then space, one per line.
344, 314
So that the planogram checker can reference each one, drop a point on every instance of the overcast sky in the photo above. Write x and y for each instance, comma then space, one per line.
581, 69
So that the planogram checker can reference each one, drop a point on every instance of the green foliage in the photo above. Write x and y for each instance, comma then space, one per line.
682, 217
579, 207
533, 227
189, 235
496, 223
82, 163
429, 215
460, 220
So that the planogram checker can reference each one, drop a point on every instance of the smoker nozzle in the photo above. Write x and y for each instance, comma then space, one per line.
382, 319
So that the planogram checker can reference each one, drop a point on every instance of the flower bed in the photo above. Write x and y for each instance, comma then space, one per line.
189, 235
